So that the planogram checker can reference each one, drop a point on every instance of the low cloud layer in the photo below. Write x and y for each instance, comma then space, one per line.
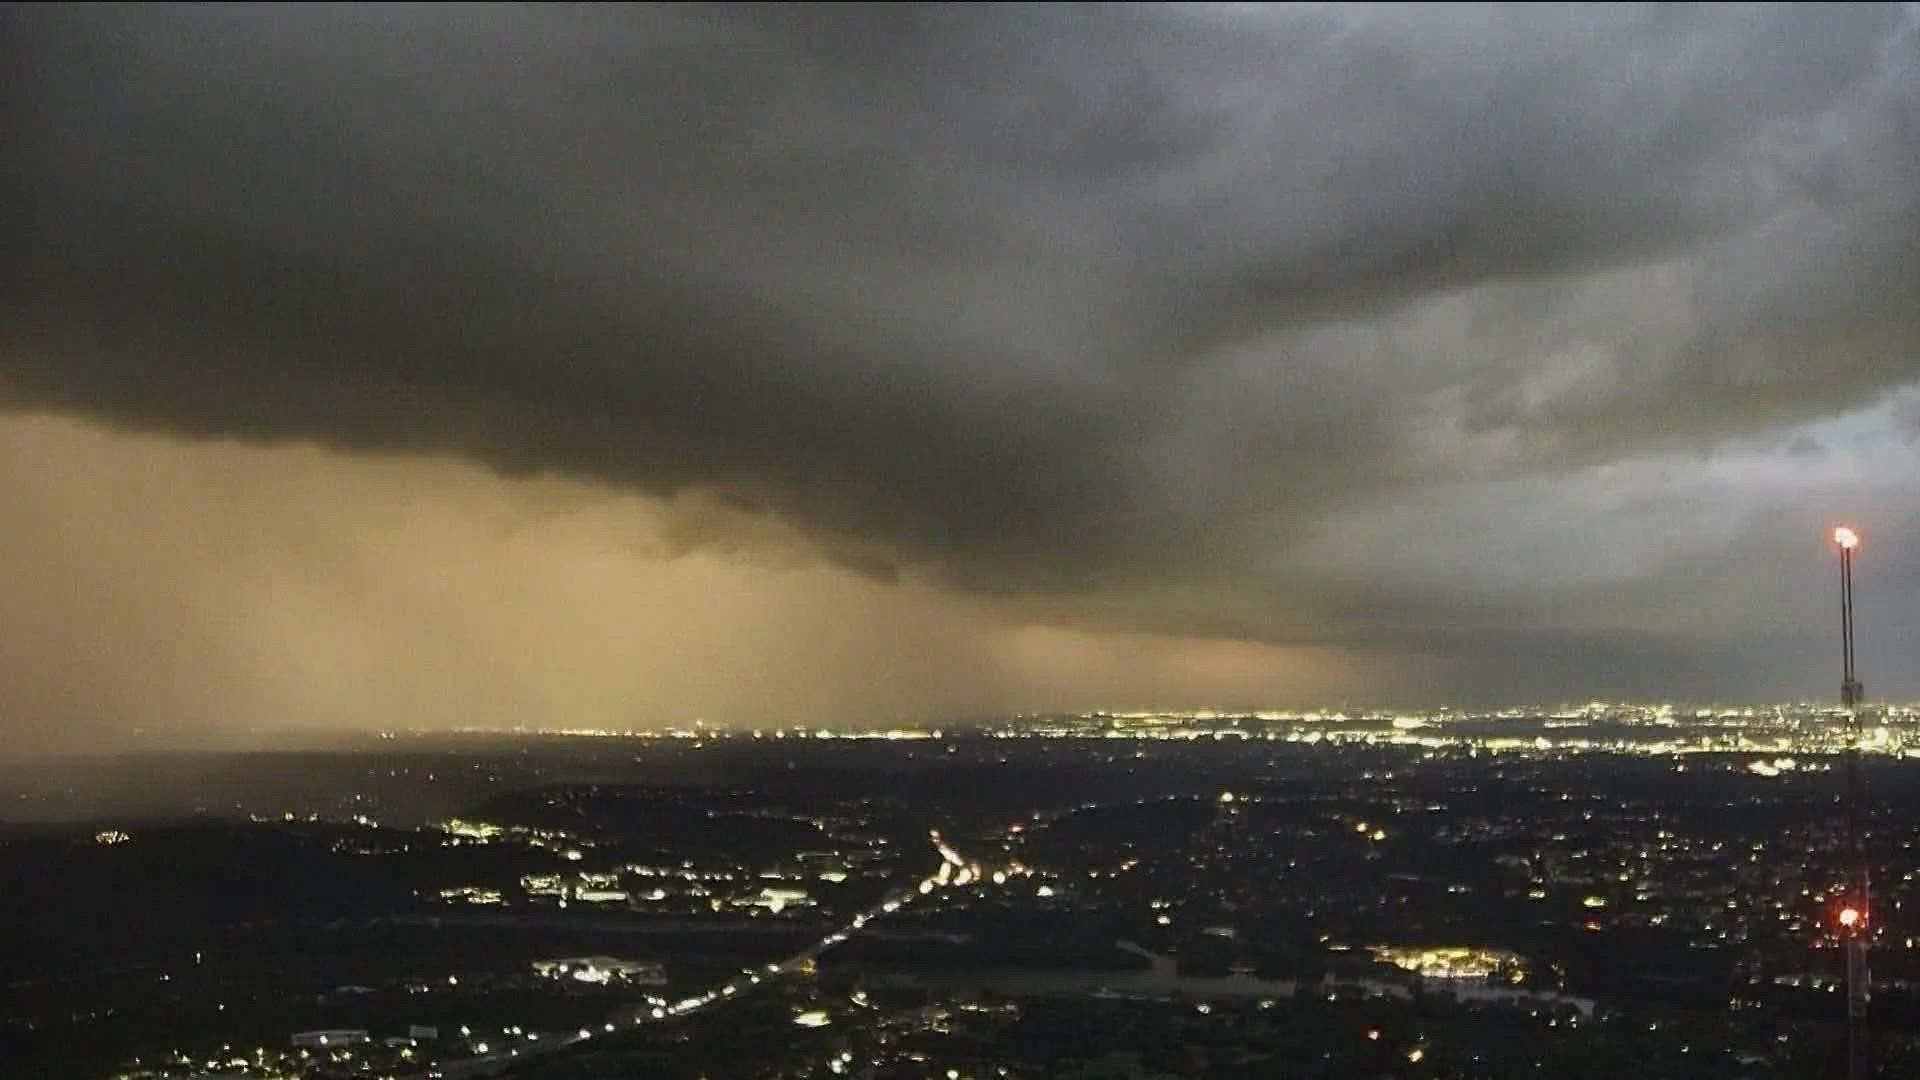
1444, 340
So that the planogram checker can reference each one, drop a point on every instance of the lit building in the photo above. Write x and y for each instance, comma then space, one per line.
603, 969
333, 1037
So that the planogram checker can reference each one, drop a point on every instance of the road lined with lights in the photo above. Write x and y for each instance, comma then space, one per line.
954, 870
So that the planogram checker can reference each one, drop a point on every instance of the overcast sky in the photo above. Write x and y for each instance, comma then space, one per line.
614, 367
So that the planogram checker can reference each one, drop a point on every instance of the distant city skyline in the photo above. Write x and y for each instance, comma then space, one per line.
490, 366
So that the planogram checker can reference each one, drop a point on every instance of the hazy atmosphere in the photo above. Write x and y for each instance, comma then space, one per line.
439, 366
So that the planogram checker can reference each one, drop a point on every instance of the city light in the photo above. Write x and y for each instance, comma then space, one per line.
1624, 868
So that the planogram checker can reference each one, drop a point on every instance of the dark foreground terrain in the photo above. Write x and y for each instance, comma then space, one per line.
1105, 901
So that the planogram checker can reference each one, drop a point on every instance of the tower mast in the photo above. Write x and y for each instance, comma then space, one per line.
1854, 922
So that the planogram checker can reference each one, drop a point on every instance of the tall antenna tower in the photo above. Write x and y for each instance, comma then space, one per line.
1854, 930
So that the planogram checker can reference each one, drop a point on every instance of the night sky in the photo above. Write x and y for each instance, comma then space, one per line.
435, 366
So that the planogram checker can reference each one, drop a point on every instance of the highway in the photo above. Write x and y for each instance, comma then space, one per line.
953, 871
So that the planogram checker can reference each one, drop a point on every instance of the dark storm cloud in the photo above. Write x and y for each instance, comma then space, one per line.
1105, 309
